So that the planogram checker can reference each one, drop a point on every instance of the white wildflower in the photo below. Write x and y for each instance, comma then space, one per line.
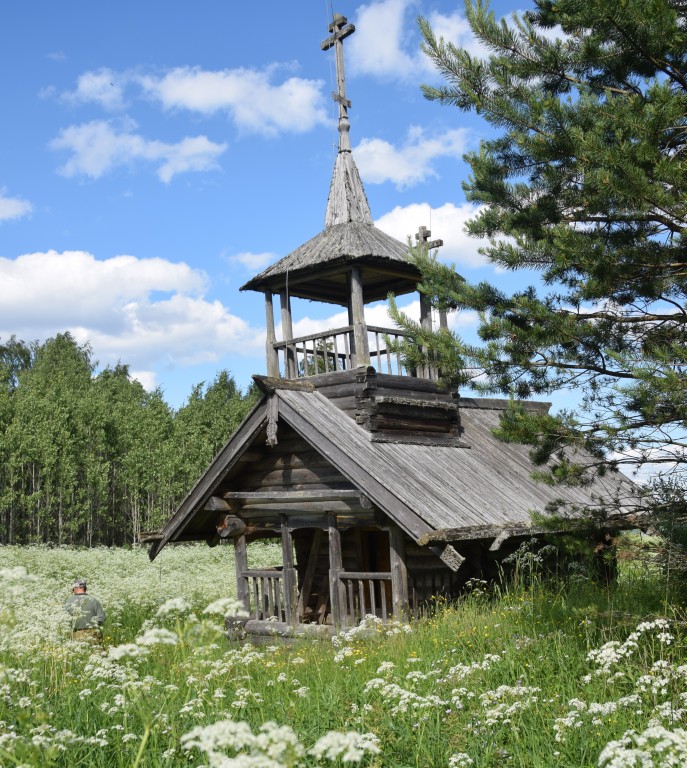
348, 747
175, 605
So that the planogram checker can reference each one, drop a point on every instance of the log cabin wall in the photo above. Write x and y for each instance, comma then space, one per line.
393, 407
290, 465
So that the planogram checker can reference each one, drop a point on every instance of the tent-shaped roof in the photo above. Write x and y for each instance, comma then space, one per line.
473, 489
317, 269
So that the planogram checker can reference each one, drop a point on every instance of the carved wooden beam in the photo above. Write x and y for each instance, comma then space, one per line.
272, 419
269, 384
216, 504
296, 497
229, 526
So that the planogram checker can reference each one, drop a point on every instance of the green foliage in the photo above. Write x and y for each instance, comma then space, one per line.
95, 458
585, 184
531, 674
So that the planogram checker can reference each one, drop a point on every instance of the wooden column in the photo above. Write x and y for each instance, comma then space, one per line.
356, 317
304, 596
271, 352
425, 372
287, 332
290, 576
443, 320
337, 596
399, 574
241, 562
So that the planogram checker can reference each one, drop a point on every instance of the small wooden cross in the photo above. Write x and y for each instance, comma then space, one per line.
423, 240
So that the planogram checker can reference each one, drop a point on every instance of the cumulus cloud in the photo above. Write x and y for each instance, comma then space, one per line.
249, 96
253, 262
144, 312
103, 86
387, 41
13, 207
99, 147
446, 223
147, 379
411, 163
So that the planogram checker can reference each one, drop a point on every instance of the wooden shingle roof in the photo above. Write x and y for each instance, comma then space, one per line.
488, 483
433, 492
317, 269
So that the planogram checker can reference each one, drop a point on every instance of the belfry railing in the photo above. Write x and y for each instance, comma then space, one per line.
329, 351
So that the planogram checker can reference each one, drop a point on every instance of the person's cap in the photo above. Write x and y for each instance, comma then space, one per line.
79, 583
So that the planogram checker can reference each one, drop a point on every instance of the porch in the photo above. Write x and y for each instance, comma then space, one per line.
331, 577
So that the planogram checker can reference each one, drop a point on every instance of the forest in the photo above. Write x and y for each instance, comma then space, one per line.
89, 456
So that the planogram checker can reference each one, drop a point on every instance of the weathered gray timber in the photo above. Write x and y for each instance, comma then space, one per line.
317, 269
385, 490
378, 527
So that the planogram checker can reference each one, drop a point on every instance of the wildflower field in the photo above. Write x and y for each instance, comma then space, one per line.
531, 674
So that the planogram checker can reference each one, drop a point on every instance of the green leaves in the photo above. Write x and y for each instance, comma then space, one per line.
95, 459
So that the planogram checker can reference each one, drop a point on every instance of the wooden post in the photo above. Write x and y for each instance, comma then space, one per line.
287, 333
425, 371
337, 595
290, 576
356, 315
443, 320
306, 588
399, 574
271, 352
241, 562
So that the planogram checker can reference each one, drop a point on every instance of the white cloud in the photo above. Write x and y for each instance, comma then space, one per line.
446, 223
253, 261
13, 207
98, 147
147, 379
103, 86
455, 29
375, 314
387, 40
383, 42
114, 304
255, 103
411, 163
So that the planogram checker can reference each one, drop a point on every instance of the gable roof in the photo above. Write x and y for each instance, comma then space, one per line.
423, 489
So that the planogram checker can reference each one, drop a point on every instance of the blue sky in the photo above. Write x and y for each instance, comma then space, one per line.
155, 156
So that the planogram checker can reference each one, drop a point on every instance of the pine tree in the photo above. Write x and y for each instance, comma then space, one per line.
586, 182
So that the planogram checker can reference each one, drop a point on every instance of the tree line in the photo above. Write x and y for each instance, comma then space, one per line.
91, 457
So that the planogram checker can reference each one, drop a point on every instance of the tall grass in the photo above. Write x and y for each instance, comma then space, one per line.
526, 674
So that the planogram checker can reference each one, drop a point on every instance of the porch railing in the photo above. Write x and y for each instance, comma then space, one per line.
366, 593
330, 351
266, 594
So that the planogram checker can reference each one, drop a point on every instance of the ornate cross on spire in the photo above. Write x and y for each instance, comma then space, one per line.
340, 30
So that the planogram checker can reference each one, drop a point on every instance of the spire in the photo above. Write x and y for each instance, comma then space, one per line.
347, 200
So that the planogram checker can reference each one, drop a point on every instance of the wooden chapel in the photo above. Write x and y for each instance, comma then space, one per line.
385, 490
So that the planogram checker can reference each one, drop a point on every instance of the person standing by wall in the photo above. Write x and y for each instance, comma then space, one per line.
87, 614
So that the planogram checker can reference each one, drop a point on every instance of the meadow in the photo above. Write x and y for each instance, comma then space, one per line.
530, 674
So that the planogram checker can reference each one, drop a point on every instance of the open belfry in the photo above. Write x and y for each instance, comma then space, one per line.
385, 490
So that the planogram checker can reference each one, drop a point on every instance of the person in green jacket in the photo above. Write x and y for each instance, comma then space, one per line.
87, 614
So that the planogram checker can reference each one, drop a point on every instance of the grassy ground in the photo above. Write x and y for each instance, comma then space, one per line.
528, 675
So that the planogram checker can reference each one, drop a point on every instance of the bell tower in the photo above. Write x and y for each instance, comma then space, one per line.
350, 263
